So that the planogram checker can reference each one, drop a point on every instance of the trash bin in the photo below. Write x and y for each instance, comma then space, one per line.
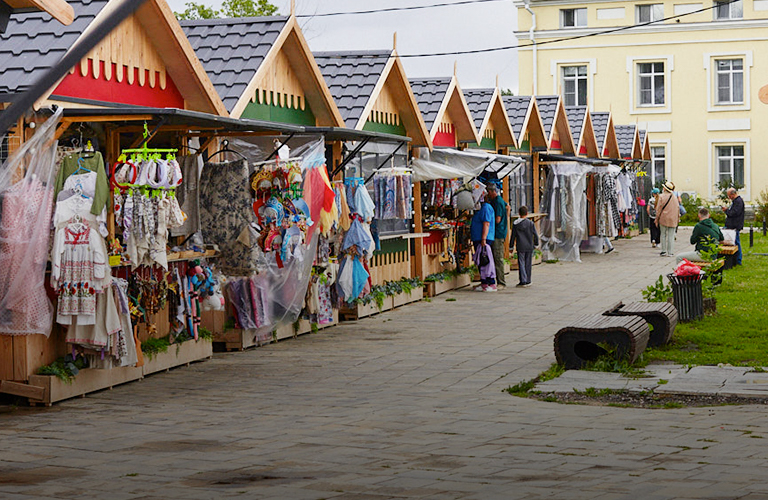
686, 292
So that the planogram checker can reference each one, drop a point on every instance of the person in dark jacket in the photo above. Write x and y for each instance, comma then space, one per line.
524, 239
734, 218
706, 236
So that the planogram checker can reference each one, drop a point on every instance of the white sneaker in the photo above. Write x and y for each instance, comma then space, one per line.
491, 288
480, 288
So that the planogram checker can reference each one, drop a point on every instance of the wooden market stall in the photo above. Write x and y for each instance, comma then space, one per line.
605, 134
582, 131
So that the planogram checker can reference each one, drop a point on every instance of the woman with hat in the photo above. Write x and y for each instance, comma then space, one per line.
651, 209
667, 218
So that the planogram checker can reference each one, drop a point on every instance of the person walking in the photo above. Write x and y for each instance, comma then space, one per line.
734, 218
706, 236
501, 213
482, 231
651, 209
668, 217
524, 239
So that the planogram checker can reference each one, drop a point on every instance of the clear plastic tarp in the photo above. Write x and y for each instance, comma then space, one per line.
565, 203
27, 181
454, 164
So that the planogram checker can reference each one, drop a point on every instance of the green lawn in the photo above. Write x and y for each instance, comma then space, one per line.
738, 333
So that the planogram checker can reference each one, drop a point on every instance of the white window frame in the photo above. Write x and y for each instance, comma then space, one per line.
710, 65
731, 10
556, 72
730, 72
714, 165
635, 108
576, 79
654, 15
665, 147
575, 18
652, 76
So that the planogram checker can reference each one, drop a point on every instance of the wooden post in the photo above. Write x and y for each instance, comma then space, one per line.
418, 243
510, 210
536, 182
113, 151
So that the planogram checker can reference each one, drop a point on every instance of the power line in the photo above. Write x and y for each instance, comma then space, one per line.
544, 42
398, 9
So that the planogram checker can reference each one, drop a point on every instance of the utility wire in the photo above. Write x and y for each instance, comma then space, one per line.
544, 42
398, 9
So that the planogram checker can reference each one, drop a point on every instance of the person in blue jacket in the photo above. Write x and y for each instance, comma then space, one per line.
482, 232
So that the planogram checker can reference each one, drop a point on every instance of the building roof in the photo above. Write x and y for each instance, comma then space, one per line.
576, 116
517, 109
59, 9
642, 136
600, 122
430, 93
352, 77
625, 135
232, 50
479, 102
33, 42
548, 110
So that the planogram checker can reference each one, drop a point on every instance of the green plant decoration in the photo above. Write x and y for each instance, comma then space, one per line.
658, 292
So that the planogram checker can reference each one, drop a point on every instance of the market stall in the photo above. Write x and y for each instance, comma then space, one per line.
525, 118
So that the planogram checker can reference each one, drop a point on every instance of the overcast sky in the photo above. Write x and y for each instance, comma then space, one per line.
441, 29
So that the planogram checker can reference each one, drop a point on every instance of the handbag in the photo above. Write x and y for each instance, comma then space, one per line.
483, 259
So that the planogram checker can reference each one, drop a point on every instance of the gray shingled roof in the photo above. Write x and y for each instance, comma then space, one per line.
34, 42
517, 108
600, 126
479, 101
642, 137
548, 110
430, 93
351, 78
625, 135
575, 116
232, 50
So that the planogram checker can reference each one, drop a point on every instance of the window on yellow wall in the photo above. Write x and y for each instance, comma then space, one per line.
730, 164
729, 9
573, 18
574, 80
650, 76
658, 164
730, 81
650, 13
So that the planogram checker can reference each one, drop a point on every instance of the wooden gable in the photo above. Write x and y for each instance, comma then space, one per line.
145, 61
532, 133
647, 148
288, 87
610, 147
58, 9
560, 137
496, 125
454, 114
392, 107
587, 140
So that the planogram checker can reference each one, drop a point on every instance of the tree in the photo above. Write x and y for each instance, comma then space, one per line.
507, 92
230, 8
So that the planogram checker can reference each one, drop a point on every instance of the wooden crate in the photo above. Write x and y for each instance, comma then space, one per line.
22, 355
434, 288
178, 355
536, 260
406, 298
352, 312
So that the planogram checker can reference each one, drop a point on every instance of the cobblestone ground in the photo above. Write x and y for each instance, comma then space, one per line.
407, 404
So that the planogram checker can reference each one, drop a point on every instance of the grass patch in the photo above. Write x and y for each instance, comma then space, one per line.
736, 333
523, 389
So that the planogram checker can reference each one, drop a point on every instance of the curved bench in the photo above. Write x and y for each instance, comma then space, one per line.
595, 335
661, 318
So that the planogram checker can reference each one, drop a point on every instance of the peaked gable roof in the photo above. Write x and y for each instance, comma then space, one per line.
523, 114
488, 109
600, 122
576, 116
440, 96
479, 102
33, 43
59, 9
645, 144
582, 131
627, 137
351, 77
554, 117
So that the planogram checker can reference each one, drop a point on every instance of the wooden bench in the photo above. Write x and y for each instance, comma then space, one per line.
661, 318
587, 338
728, 252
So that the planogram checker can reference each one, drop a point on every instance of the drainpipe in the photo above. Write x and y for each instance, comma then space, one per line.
532, 38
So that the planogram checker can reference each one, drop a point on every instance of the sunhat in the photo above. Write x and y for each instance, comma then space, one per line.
669, 186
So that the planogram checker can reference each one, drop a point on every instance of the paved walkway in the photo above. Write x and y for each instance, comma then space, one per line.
407, 404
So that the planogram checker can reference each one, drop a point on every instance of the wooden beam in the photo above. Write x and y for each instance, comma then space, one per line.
59, 9
23, 390
536, 177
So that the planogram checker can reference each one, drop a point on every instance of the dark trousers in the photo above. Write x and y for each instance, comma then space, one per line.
655, 232
524, 264
498, 260
738, 244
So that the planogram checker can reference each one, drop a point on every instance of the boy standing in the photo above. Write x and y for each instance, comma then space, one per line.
525, 239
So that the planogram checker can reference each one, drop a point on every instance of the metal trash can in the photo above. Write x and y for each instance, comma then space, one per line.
686, 292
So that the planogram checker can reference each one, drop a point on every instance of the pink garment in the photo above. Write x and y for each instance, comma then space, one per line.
27, 209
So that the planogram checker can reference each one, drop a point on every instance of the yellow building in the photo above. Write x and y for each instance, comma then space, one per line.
686, 71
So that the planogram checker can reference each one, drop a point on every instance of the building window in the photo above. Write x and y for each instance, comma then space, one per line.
658, 164
732, 9
730, 164
575, 85
730, 81
650, 84
573, 18
650, 13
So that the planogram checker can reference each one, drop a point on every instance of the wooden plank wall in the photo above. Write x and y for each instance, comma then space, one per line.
391, 266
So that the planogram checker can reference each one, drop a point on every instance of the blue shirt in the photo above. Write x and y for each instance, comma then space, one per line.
485, 214
500, 210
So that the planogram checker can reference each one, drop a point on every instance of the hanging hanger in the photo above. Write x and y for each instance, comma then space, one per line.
81, 167
227, 149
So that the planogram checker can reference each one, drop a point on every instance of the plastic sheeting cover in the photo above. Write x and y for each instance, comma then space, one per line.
26, 203
453, 164
565, 202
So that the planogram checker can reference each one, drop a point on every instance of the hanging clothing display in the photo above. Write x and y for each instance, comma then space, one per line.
393, 194
188, 195
565, 201
86, 163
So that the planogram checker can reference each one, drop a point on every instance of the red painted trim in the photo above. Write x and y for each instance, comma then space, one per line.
445, 139
101, 89
583, 150
605, 152
555, 144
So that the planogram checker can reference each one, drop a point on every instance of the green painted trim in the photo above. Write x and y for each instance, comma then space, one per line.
384, 128
393, 246
277, 114
488, 144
